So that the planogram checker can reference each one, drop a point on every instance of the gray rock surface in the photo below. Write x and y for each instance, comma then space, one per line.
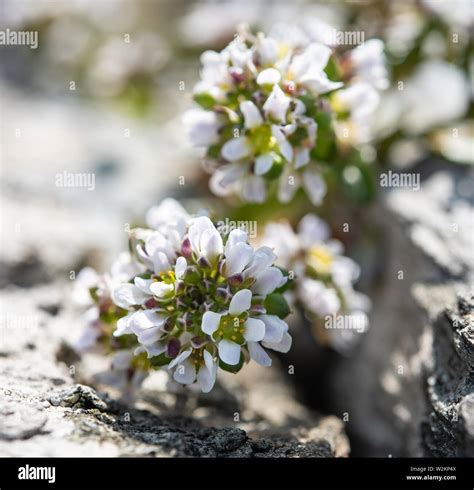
390, 389
46, 412
449, 428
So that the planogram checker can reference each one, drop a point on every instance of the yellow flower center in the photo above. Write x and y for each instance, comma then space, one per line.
320, 259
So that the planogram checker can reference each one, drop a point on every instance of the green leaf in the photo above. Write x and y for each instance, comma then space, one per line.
276, 304
161, 360
214, 151
206, 101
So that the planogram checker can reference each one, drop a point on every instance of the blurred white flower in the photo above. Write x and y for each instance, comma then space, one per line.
323, 277
437, 93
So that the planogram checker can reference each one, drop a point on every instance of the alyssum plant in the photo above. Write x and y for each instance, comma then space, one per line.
191, 299
277, 112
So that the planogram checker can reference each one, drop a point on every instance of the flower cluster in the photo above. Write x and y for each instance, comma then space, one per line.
194, 300
323, 278
274, 108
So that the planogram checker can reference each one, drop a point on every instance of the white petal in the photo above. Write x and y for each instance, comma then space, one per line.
287, 186
315, 186
258, 354
235, 236
180, 358
185, 373
263, 164
312, 230
314, 58
252, 115
318, 82
161, 289
302, 157
145, 319
263, 257
161, 263
223, 180
197, 228
169, 210
143, 284
270, 76
180, 267
277, 104
210, 322
127, 295
283, 346
146, 325
237, 258
254, 330
229, 352
268, 280
211, 245
201, 127
155, 349
284, 146
240, 302
123, 325
206, 376
253, 189
275, 328
236, 149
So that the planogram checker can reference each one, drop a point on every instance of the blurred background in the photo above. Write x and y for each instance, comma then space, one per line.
103, 94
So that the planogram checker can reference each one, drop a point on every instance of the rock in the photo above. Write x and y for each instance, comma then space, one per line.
449, 429
425, 253
46, 412
78, 396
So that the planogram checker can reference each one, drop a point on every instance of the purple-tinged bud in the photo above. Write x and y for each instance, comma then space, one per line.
186, 248
172, 348
258, 309
222, 295
150, 303
180, 286
197, 342
237, 75
204, 263
168, 325
236, 280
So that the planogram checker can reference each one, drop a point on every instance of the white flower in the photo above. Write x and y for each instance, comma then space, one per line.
236, 149
270, 76
314, 185
218, 325
199, 303
318, 298
368, 63
308, 69
438, 92
185, 371
324, 278
168, 213
205, 240
252, 115
202, 127
268, 93
277, 105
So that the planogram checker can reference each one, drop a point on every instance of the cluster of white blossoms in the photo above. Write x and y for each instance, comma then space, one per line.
190, 299
275, 110
323, 277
